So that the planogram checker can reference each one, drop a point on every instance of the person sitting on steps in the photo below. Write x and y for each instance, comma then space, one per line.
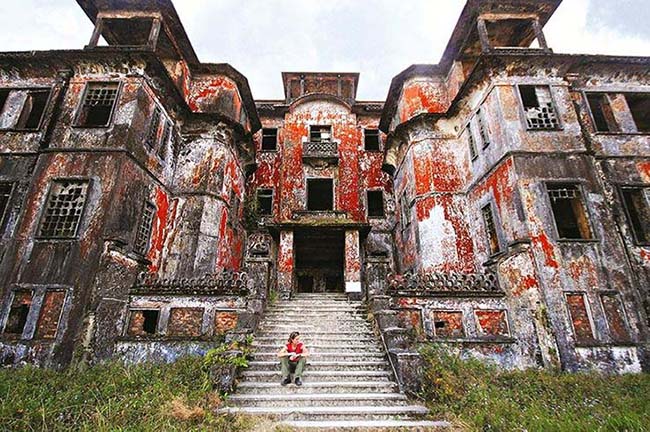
293, 357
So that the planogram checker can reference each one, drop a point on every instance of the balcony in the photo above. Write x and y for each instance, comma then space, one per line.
327, 150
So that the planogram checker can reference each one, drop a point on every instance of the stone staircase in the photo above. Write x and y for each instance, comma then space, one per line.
348, 382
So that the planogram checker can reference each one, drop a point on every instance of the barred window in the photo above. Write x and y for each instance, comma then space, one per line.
538, 107
64, 209
143, 235
97, 106
5, 195
490, 228
152, 133
472, 142
569, 211
269, 139
483, 129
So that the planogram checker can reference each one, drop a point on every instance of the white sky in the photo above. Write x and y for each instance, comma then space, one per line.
378, 38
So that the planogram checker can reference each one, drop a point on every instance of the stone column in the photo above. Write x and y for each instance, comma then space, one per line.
352, 264
285, 264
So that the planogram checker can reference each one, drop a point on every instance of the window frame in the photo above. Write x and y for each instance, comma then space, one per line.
80, 104
258, 194
471, 140
40, 313
628, 218
618, 296
383, 204
579, 185
82, 216
646, 94
489, 205
34, 89
144, 206
321, 128
463, 323
6, 312
5, 211
585, 300
479, 329
592, 118
522, 108
484, 129
276, 142
129, 316
332, 180
379, 146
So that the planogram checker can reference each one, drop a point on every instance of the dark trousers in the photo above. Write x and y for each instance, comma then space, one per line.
289, 367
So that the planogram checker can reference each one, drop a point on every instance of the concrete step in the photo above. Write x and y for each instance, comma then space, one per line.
333, 356
317, 309
367, 333
322, 348
311, 399
368, 412
308, 341
333, 317
370, 425
315, 365
248, 387
305, 328
345, 375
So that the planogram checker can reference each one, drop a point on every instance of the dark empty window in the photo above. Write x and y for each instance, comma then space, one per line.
569, 211
640, 108
483, 128
4, 94
602, 113
97, 106
164, 140
265, 202
320, 194
143, 235
472, 142
375, 203
538, 107
269, 139
320, 133
371, 139
154, 123
33, 109
490, 228
18, 312
5, 195
638, 213
143, 322
64, 209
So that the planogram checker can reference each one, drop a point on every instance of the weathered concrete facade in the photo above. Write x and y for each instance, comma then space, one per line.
495, 202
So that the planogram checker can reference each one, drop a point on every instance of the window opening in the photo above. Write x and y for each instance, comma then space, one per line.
482, 125
4, 95
18, 313
538, 106
569, 211
639, 105
143, 322
472, 142
64, 209
265, 202
602, 113
638, 213
375, 203
6, 189
152, 133
490, 228
320, 134
98, 103
320, 194
143, 234
448, 324
50, 314
371, 139
580, 318
615, 314
167, 131
33, 109
269, 139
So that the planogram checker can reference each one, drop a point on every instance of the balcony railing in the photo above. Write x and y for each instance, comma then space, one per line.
320, 149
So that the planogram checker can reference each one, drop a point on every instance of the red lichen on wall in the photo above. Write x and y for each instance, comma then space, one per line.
185, 322
583, 272
435, 168
580, 318
447, 324
159, 231
422, 97
492, 322
547, 247
48, 320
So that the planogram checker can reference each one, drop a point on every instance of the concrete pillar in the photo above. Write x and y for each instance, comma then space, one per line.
285, 264
352, 263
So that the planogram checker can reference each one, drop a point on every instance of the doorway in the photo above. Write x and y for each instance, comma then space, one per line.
319, 260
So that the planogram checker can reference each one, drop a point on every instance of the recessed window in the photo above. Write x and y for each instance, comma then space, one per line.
406, 210
265, 202
538, 107
492, 323
143, 235
639, 105
320, 134
580, 318
185, 322
491, 230
448, 324
50, 314
269, 139
601, 112
483, 128
97, 105
143, 322
164, 140
371, 139
320, 194
638, 213
33, 109
473, 152
64, 209
6, 189
615, 314
569, 211
375, 203
154, 123
18, 313
4, 95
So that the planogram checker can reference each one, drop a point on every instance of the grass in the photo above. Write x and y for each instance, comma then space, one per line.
485, 398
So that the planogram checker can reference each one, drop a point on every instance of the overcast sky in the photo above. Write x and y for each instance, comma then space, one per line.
378, 38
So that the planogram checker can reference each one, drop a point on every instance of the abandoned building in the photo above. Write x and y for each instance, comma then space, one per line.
497, 202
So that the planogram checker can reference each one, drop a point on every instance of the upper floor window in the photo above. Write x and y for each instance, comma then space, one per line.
320, 194
98, 104
164, 140
601, 112
143, 235
371, 139
538, 107
638, 213
375, 203
569, 211
320, 134
473, 152
483, 128
64, 209
265, 202
491, 229
269, 139
639, 104
154, 124
6, 188
30, 115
